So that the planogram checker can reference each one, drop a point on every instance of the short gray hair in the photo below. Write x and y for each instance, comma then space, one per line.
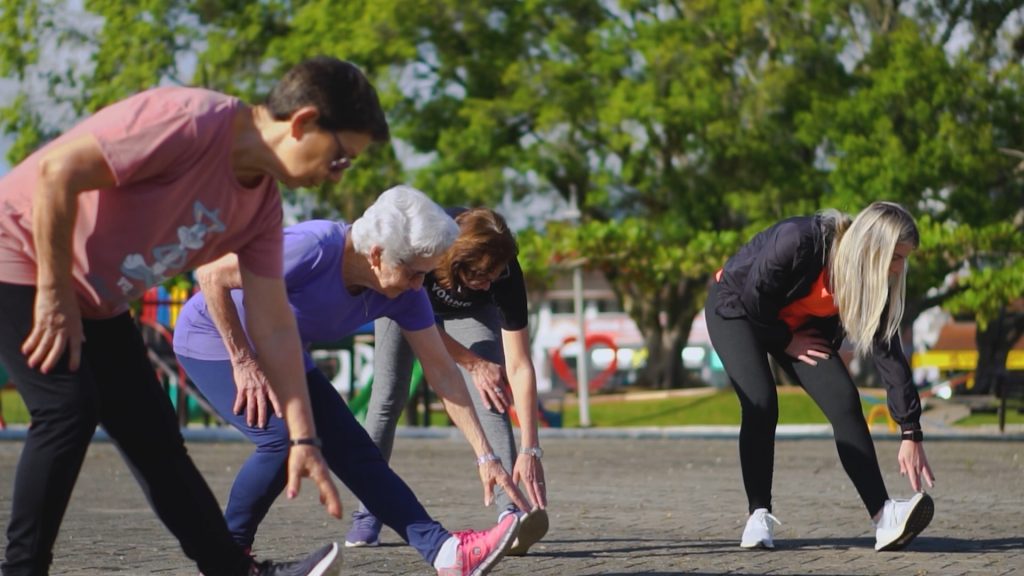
405, 223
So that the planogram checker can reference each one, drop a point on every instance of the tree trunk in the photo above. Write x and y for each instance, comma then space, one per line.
665, 324
994, 344
664, 368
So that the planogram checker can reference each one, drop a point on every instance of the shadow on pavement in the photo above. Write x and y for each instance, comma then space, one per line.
674, 573
957, 545
612, 546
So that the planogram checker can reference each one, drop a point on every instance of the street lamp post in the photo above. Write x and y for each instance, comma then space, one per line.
582, 360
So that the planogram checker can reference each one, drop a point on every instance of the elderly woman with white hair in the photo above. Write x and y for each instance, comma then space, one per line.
340, 277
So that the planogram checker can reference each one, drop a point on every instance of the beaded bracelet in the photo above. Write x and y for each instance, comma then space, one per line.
488, 457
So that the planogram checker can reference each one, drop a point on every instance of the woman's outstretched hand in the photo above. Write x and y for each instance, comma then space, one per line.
914, 465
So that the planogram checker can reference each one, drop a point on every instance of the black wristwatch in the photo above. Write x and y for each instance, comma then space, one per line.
914, 435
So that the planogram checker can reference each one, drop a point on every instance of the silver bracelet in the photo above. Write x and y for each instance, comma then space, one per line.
536, 452
488, 457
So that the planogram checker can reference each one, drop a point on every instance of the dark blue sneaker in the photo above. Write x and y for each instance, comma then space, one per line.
319, 563
365, 530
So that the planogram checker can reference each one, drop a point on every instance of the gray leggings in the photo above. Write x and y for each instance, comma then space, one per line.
392, 372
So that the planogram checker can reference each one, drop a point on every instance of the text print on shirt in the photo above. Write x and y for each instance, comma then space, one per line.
448, 299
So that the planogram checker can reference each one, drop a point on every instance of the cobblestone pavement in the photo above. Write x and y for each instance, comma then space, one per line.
618, 506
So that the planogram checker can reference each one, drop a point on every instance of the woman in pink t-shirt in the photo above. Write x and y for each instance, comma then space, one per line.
141, 191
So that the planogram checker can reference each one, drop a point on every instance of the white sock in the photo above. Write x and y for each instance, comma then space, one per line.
446, 556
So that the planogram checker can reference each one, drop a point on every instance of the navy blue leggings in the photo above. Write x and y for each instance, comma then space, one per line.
744, 353
347, 448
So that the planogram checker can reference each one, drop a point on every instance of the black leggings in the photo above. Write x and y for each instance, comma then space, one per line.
744, 354
117, 388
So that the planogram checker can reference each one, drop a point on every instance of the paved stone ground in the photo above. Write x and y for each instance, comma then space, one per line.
618, 506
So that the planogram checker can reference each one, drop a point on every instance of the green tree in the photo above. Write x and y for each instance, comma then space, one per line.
77, 62
937, 129
683, 128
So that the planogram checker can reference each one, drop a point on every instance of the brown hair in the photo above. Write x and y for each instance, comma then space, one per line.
485, 244
344, 97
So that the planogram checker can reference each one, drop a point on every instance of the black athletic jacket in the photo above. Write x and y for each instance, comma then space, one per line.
778, 266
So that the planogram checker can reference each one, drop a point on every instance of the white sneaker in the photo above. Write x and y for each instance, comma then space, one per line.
760, 530
902, 520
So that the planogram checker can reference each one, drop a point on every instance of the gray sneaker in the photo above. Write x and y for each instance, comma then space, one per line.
532, 527
319, 563
902, 521
365, 530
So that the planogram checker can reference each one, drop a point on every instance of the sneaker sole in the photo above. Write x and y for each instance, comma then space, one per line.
762, 545
327, 565
361, 544
532, 528
916, 522
498, 553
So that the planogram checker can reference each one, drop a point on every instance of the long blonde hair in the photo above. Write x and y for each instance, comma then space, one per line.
859, 264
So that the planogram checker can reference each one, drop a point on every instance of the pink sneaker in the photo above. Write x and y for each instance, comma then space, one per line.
479, 551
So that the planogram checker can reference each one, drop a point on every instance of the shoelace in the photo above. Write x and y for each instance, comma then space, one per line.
765, 518
468, 537
364, 521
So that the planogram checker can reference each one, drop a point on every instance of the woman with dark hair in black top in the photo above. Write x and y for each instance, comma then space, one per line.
479, 298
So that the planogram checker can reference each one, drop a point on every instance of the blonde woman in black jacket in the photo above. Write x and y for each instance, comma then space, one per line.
794, 292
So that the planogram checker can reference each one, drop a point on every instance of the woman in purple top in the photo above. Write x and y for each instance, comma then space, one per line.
340, 277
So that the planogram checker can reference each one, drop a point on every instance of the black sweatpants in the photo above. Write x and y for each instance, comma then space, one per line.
116, 387
744, 353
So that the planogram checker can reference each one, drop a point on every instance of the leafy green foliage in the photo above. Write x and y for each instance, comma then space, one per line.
990, 263
682, 127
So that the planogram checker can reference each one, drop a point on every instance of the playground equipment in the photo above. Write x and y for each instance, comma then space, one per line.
188, 402
598, 381
879, 411
359, 403
156, 318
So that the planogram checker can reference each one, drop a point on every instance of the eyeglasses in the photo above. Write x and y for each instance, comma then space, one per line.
342, 161
473, 275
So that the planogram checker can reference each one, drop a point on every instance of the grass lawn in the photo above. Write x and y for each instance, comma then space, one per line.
13, 409
795, 407
991, 419
717, 408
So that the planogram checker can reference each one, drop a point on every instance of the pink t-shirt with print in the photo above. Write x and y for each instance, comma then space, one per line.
176, 205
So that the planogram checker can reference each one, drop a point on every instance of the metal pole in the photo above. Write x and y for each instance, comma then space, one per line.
583, 358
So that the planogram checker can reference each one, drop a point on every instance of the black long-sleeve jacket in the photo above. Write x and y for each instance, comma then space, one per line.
777, 267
